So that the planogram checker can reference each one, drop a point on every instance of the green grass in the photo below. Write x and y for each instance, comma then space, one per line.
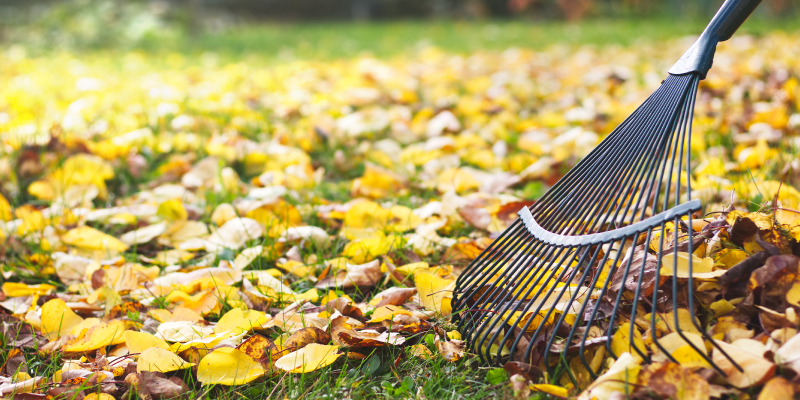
340, 40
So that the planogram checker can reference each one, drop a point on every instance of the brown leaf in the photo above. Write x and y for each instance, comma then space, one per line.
742, 229
530, 372
137, 386
363, 275
306, 336
394, 296
476, 216
343, 334
451, 350
260, 349
345, 307
770, 283
507, 213
632, 280
741, 272
15, 362
161, 388
671, 381
98, 279
122, 310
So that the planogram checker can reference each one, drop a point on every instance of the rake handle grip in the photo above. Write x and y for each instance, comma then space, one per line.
730, 17
700, 56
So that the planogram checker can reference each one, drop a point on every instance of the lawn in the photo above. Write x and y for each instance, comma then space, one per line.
280, 183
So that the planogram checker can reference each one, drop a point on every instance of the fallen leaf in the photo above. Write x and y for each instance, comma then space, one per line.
672, 381
260, 349
237, 321
552, 390
310, 358
749, 355
620, 377
435, 293
451, 350
363, 275
228, 366
777, 388
88, 238
156, 359
58, 319
138, 342
303, 337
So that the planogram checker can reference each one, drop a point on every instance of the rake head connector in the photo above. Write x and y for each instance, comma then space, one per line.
607, 252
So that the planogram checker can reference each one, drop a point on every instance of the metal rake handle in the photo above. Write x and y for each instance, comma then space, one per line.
728, 19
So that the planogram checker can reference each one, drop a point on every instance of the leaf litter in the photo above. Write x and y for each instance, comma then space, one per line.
183, 228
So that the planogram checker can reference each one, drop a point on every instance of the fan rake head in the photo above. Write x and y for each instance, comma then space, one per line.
608, 247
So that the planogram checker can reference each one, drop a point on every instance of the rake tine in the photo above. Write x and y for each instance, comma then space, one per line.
581, 312
600, 297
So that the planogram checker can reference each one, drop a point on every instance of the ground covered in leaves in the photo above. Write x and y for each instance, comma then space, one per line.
180, 225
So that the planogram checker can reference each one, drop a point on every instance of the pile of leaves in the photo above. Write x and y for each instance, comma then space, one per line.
170, 230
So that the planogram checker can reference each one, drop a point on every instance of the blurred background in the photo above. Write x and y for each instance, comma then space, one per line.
322, 28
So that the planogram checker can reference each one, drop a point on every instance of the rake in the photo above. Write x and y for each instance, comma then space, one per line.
600, 245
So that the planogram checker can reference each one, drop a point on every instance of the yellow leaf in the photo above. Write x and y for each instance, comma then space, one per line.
621, 377
237, 321
778, 388
366, 214
58, 319
172, 210
169, 257
722, 307
42, 190
330, 296
99, 336
157, 359
454, 335
99, 396
5, 209
730, 257
621, 343
435, 293
793, 294
32, 220
361, 251
138, 342
552, 390
376, 183
421, 351
409, 269
681, 350
458, 180
223, 213
88, 238
228, 366
16, 289
387, 312
702, 268
310, 295
85, 325
205, 342
310, 358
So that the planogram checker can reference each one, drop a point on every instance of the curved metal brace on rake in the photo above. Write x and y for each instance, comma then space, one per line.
603, 237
